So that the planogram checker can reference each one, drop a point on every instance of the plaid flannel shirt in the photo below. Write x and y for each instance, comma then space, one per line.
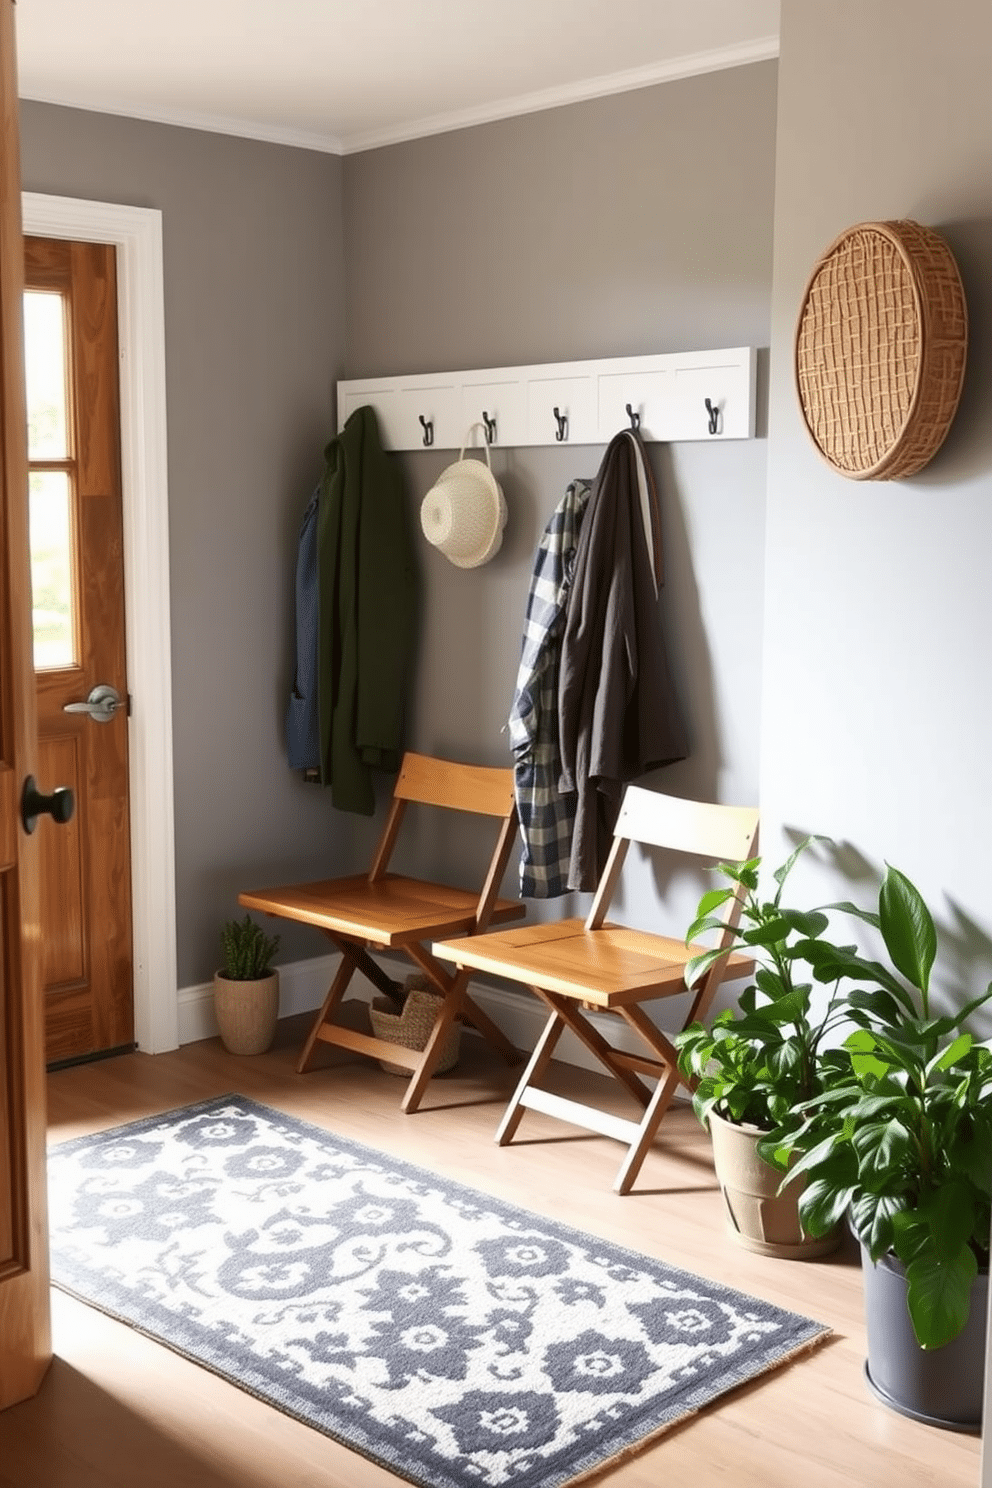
547, 815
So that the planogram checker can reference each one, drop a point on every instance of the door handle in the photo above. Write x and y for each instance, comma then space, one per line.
101, 705
59, 805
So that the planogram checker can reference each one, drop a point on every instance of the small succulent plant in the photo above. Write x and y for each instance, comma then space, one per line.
248, 951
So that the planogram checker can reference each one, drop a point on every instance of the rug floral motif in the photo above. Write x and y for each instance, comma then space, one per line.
454, 1339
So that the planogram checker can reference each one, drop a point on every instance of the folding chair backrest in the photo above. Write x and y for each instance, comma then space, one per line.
480, 789
440, 782
727, 834
723, 833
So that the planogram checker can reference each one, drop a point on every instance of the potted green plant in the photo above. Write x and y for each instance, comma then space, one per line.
756, 1063
899, 1138
246, 988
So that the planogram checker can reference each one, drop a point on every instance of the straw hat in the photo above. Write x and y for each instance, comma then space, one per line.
464, 512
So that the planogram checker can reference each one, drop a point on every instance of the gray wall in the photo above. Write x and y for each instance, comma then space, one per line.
631, 224
877, 722
254, 298
636, 223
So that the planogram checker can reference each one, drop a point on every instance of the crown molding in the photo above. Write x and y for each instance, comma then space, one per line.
671, 70
763, 49
272, 134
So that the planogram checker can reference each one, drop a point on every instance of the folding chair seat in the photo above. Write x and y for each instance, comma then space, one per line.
386, 911
575, 966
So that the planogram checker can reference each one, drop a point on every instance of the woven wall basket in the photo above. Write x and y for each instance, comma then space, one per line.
880, 349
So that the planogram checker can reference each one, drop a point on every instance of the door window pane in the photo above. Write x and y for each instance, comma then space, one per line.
44, 360
51, 570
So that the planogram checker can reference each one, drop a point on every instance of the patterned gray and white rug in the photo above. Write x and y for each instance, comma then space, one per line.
454, 1339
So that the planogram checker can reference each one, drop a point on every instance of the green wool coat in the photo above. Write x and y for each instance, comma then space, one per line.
369, 610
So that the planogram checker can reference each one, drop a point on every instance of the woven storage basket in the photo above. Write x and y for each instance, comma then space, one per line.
413, 1026
881, 343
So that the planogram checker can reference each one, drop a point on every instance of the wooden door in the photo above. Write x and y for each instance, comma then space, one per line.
78, 572
25, 1341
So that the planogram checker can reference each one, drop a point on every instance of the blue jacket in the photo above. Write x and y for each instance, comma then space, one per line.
302, 715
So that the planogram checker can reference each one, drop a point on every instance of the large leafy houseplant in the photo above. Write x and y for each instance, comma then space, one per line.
900, 1135
757, 1062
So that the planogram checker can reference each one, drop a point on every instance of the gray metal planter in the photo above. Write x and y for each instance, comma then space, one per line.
942, 1387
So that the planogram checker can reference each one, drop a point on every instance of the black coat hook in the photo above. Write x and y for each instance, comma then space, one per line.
561, 419
635, 418
713, 409
490, 424
428, 428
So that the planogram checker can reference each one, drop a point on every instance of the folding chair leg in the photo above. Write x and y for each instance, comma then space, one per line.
536, 1065
469, 1009
596, 1044
651, 1120
661, 1098
370, 969
338, 987
638, 1135
450, 1009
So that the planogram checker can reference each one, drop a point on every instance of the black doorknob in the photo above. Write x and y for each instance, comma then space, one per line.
59, 805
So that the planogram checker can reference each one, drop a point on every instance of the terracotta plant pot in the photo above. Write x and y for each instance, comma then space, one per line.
246, 1012
759, 1217
941, 1386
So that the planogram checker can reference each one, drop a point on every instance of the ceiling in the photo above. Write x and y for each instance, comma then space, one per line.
346, 75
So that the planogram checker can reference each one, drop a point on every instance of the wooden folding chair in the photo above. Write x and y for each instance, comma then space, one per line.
387, 911
577, 966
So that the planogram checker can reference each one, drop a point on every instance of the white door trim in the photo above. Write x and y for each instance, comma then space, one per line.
137, 235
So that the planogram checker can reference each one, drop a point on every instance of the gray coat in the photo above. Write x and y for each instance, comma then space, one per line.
617, 711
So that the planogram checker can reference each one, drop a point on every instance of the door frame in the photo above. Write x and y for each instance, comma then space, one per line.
136, 233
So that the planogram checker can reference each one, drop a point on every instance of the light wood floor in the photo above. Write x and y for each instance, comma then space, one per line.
117, 1411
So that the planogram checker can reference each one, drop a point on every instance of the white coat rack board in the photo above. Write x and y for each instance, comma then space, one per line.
670, 397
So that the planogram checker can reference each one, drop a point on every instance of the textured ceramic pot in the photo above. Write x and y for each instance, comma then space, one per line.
760, 1218
246, 1013
941, 1386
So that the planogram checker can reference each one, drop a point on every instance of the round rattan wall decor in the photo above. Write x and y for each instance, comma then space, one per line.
880, 349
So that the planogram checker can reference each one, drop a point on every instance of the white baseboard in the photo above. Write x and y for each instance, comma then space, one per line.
303, 986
